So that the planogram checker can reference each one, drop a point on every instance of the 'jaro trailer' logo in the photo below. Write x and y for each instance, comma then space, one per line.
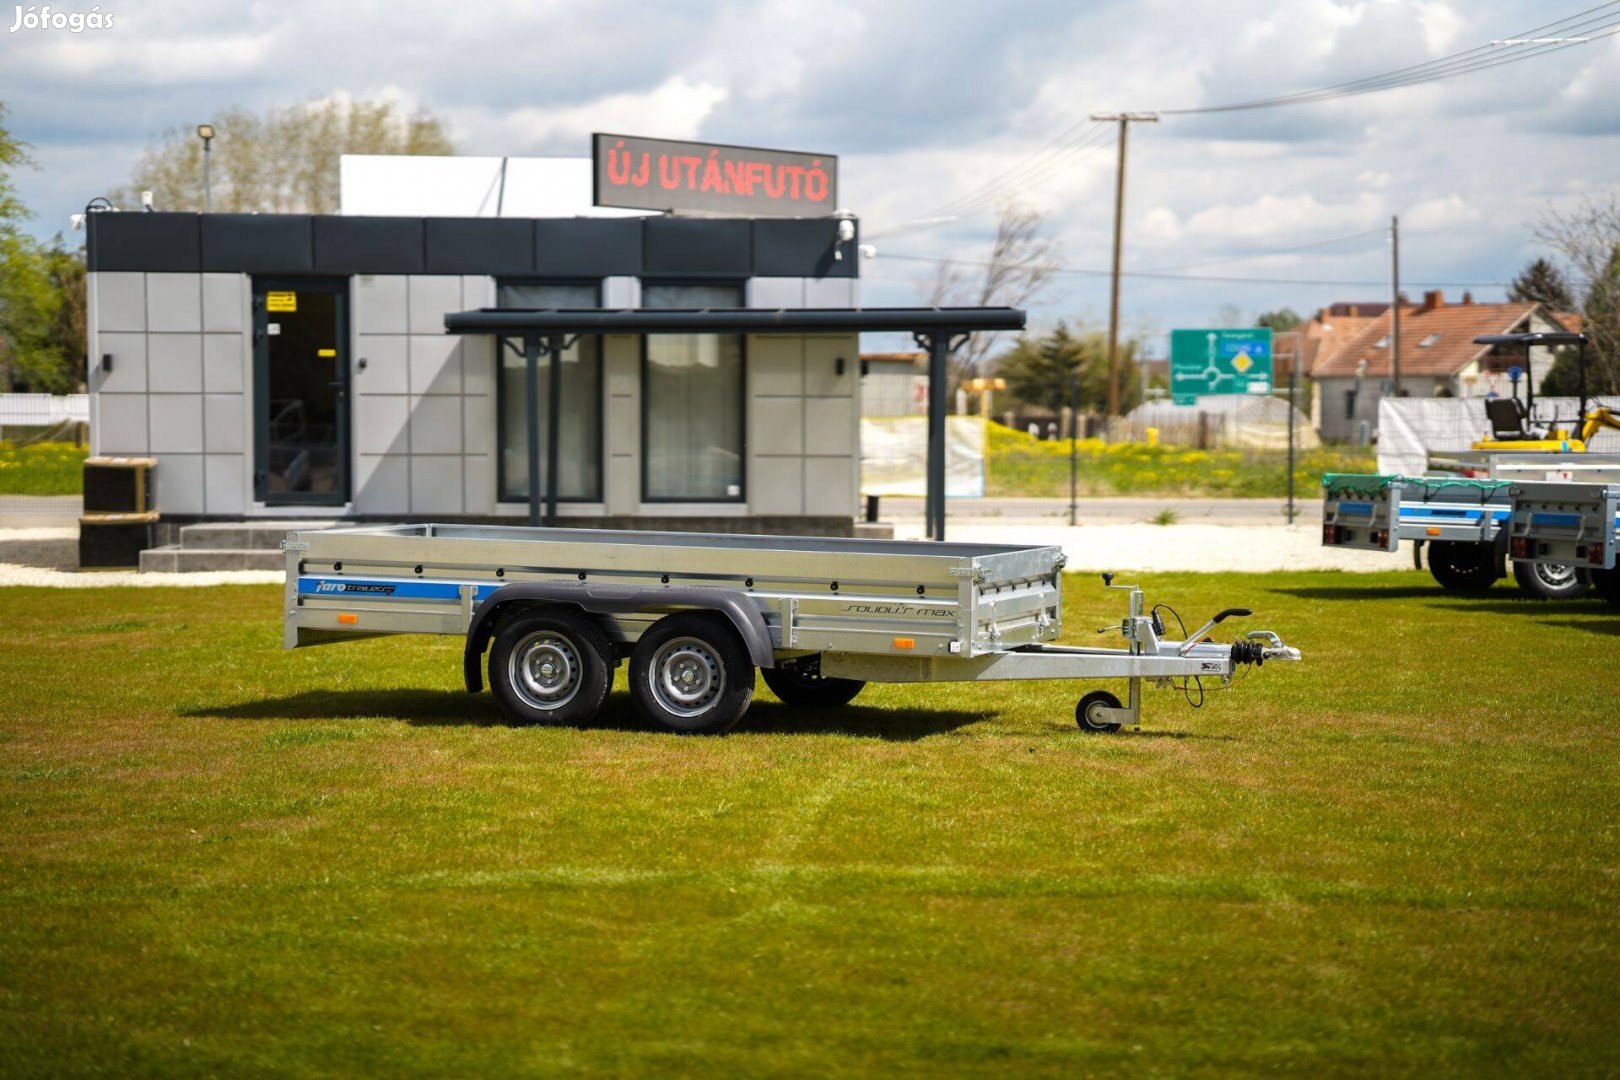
74, 22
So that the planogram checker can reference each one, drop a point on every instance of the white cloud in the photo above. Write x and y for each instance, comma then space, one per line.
674, 109
1446, 212
1442, 26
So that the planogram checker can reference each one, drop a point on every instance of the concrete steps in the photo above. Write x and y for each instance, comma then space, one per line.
225, 545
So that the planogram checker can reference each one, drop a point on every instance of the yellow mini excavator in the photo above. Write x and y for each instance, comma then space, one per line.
1512, 424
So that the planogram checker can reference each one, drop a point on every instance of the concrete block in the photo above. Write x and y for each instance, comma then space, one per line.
178, 483
768, 292
177, 426
478, 484
226, 362
621, 292
224, 483
380, 424
225, 424
821, 355
776, 425
477, 291
121, 424
174, 303
382, 484
431, 298
478, 424
435, 364
387, 358
224, 303
775, 364
829, 485
120, 300
435, 425
830, 424
436, 484
775, 485
380, 305
829, 292
478, 364
174, 363
128, 374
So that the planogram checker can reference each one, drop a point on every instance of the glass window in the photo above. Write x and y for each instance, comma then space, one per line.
579, 436
692, 403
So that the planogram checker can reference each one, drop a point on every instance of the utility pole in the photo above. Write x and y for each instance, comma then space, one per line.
1395, 305
1124, 120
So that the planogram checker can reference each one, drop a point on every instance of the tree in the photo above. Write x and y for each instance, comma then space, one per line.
42, 309
1038, 369
1542, 283
1020, 266
283, 160
1281, 320
1587, 236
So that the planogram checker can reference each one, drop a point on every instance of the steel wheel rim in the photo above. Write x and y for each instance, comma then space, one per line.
546, 670
1554, 575
686, 676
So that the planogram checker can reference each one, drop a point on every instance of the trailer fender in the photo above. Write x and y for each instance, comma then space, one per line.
616, 600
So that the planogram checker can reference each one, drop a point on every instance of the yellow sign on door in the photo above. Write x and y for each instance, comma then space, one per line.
281, 301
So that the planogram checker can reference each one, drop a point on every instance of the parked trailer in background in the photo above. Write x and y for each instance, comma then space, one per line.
696, 614
1569, 524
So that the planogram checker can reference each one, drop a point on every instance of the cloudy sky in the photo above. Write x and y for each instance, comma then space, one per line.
925, 102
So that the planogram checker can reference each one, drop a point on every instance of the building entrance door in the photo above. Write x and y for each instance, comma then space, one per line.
301, 392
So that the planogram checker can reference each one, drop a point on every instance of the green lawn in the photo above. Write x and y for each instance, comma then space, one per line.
1401, 857
1016, 464
48, 468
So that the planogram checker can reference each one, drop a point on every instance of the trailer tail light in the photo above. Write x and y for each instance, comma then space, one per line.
1330, 534
348, 618
1522, 548
1594, 555
1380, 538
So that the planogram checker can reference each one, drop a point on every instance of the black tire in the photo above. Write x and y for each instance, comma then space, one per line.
550, 666
1462, 567
1550, 581
1082, 711
805, 690
690, 674
1607, 584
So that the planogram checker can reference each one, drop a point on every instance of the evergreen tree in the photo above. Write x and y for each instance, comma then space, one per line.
1542, 283
1038, 369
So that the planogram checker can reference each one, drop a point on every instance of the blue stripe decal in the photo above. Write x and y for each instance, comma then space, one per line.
1555, 519
367, 589
1358, 509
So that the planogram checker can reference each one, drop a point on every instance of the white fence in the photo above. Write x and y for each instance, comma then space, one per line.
43, 410
1410, 428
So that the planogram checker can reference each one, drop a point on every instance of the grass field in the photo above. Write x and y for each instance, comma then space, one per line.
47, 468
1401, 857
1017, 464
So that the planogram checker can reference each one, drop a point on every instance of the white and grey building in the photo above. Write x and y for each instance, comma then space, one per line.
282, 366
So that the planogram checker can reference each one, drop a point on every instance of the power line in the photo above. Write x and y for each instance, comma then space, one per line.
1157, 275
1479, 58
1273, 251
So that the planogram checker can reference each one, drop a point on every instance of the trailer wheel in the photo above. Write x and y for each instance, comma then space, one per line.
1462, 567
691, 675
550, 667
1550, 581
1607, 583
807, 690
1086, 715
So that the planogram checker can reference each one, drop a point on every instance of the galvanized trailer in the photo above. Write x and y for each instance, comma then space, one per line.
1461, 521
1569, 524
695, 614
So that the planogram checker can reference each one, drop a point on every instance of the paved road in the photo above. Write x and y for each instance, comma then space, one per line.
1111, 510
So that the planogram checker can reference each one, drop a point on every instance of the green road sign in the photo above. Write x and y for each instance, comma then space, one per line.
1204, 362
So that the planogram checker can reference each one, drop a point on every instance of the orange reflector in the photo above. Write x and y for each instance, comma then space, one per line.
348, 619
1432, 531
905, 643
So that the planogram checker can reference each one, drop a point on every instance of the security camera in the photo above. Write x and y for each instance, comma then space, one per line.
846, 231
146, 201
77, 221
868, 251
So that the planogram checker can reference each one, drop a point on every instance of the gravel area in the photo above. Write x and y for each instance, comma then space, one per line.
50, 557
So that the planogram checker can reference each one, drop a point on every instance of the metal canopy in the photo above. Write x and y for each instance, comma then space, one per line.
939, 330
